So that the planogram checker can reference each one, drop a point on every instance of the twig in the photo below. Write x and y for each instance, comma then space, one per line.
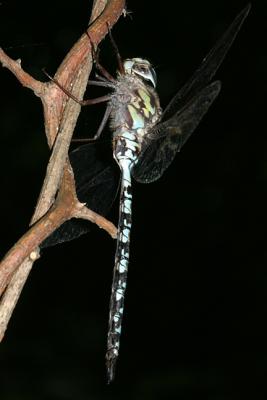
60, 114
12, 293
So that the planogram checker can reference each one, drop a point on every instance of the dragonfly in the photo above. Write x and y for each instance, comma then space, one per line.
145, 141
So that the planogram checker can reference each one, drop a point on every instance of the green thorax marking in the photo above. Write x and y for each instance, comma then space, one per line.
144, 108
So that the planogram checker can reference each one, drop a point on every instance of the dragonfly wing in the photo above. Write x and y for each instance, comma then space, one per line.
208, 67
166, 138
97, 183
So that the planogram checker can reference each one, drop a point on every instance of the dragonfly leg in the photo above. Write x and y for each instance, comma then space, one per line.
88, 102
102, 82
97, 100
101, 69
103, 122
100, 129
116, 50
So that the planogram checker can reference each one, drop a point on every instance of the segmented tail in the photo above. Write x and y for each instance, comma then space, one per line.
120, 273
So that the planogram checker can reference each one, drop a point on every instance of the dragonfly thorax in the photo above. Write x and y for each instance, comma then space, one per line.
141, 68
135, 105
135, 109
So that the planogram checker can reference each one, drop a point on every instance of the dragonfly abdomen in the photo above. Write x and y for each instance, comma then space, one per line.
120, 269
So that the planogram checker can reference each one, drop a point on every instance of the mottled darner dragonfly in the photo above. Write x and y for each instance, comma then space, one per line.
145, 142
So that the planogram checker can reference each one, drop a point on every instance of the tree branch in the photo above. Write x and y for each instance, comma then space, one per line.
57, 200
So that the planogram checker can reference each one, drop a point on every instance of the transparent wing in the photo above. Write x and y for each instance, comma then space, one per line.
208, 67
192, 102
97, 179
168, 137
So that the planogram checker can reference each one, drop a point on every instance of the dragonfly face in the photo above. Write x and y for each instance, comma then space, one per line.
141, 68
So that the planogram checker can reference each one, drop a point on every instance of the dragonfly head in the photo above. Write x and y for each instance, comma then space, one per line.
141, 68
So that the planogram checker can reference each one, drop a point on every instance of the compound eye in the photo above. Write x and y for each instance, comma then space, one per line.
140, 68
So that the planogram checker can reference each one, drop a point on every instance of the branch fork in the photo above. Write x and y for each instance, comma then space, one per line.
57, 201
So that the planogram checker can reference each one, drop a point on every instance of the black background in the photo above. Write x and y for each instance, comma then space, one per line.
195, 314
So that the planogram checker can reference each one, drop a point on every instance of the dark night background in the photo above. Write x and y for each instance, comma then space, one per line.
196, 302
